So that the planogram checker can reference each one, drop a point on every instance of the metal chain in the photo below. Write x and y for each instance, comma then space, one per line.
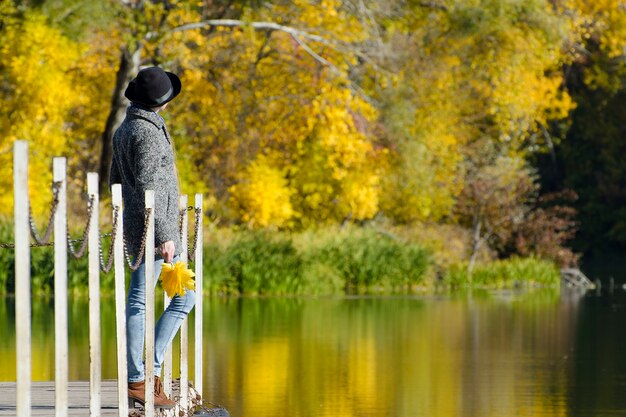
106, 266
181, 216
77, 254
32, 245
56, 186
182, 213
192, 253
46, 245
142, 248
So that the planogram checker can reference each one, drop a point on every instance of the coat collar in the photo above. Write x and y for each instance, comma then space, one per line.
141, 112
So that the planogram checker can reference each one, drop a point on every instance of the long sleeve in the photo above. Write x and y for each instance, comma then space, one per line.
144, 160
154, 170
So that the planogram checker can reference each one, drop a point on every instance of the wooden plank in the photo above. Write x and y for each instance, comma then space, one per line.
95, 344
61, 364
120, 304
22, 279
198, 307
43, 394
149, 327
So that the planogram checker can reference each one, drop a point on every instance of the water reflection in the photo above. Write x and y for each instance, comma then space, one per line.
510, 354
396, 357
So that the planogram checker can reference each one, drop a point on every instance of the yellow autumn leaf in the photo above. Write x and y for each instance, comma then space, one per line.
177, 279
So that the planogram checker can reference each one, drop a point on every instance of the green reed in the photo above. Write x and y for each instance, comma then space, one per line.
505, 273
333, 260
321, 262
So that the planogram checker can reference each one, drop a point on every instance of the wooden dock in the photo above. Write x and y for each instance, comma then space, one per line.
39, 398
42, 399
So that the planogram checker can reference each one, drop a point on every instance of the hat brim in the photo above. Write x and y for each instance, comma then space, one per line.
132, 95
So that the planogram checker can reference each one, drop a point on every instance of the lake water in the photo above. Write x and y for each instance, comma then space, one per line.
506, 354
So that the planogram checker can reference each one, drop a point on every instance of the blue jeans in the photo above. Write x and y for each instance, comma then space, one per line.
166, 327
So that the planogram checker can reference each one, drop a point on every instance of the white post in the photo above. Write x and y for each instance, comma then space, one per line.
60, 291
120, 304
149, 328
184, 331
167, 360
95, 356
22, 277
198, 323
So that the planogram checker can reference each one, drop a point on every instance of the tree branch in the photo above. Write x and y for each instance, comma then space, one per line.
254, 25
317, 57
297, 34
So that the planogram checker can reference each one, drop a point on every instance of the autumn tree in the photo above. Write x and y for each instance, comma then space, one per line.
495, 200
281, 111
302, 113
36, 98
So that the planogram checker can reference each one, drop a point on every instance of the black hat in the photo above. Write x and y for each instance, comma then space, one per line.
153, 87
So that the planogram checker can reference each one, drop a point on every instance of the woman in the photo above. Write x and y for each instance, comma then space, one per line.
143, 159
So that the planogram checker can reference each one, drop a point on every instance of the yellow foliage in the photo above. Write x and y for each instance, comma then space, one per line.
176, 279
272, 98
35, 101
486, 77
263, 196
601, 23
289, 140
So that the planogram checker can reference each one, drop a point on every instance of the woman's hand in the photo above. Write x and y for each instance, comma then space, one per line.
166, 250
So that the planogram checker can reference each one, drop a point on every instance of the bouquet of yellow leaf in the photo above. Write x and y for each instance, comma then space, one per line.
177, 279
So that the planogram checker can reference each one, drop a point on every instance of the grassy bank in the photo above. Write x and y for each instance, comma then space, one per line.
508, 273
354, 261
329, 261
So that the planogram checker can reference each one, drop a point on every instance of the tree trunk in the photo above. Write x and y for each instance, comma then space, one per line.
129, 65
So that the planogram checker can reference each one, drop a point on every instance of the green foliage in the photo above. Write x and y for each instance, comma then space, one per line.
254, 264
506, 273
372, 262
326, 261
78, 17
322, 262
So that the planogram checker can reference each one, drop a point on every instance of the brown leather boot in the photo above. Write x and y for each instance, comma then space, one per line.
160, 399
136, 393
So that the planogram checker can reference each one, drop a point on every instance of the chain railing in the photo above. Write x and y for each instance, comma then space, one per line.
198, 214
56, 186
70, 242
106, 266
105, 263
93, 242
142, 248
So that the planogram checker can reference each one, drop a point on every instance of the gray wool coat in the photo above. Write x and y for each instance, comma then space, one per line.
143, 159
